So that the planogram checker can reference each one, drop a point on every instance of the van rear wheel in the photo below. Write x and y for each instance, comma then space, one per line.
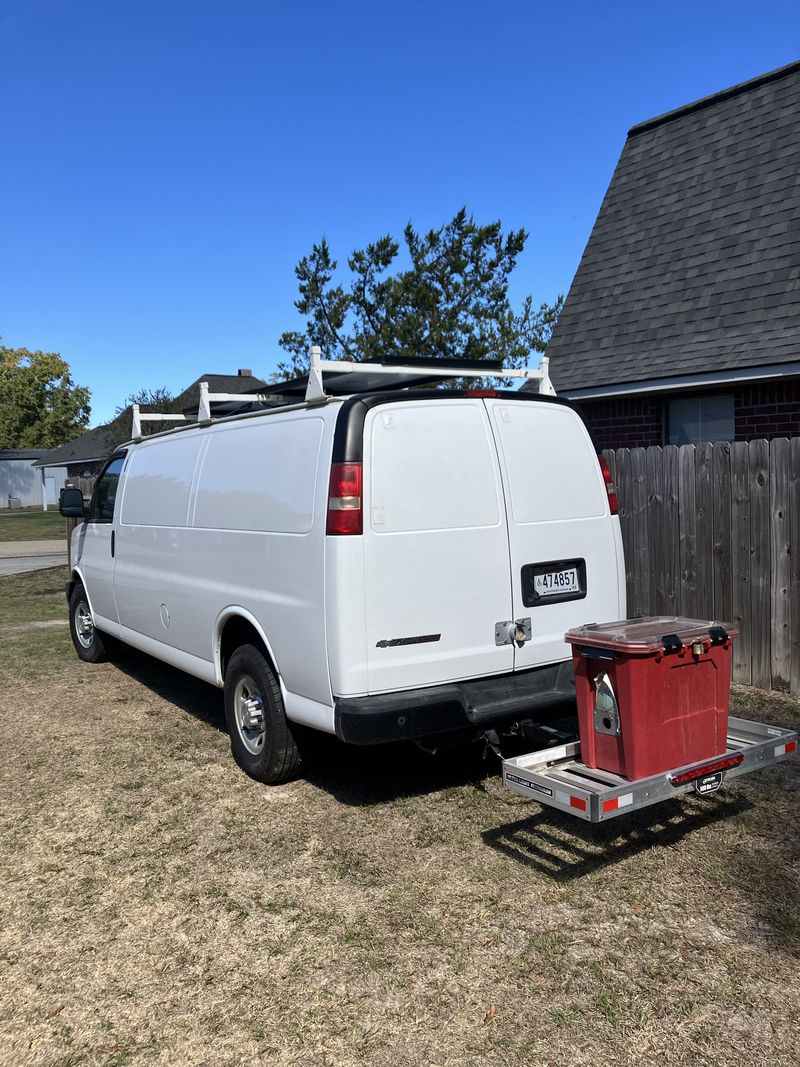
261, 741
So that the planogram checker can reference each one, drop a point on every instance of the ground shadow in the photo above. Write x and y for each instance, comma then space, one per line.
565, 847
363, 775
196, 698
356, 775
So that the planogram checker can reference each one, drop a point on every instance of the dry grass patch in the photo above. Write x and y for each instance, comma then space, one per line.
388, 908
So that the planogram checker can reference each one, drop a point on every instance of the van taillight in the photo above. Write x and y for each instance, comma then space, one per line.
344, 499
610, 487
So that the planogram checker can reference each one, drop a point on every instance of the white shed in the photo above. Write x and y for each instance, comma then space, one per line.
23, 486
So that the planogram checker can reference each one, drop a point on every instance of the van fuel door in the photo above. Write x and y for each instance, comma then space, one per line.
514, 632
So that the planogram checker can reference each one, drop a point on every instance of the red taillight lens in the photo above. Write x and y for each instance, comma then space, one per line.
480, 392
344, 499
610, 487
723, 764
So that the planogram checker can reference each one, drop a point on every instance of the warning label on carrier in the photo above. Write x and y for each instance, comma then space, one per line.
533, 786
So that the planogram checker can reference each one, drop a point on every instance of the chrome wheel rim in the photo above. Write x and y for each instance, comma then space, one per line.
248, 708
84, 625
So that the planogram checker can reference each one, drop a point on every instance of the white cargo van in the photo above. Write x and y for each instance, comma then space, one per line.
396, 563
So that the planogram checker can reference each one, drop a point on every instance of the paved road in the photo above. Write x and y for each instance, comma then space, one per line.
21, 564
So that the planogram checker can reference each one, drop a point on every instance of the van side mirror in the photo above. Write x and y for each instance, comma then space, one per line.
71, 504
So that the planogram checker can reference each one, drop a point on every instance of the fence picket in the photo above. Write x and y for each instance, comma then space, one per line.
686, 591
740, 561
639, 565
723, 541
760, 630
794, 547
704, 532
780, 558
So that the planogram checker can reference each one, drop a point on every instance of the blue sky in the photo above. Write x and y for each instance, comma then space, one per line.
165, 164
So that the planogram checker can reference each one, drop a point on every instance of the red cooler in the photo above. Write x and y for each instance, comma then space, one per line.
653, 693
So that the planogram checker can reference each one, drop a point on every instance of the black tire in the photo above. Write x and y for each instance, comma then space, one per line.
91, 644
261, 741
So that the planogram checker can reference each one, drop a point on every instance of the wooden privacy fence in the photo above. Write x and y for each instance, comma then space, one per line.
713, 531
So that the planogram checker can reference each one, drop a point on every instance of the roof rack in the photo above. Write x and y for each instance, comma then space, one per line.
203, 408
431, 368
400, 373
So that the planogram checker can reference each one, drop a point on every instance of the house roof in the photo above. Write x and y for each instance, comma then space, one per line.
693, 264
21, 453
98, 443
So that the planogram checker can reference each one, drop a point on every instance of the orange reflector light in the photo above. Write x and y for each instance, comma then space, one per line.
578, 802
724, 763
791, 746
611, 805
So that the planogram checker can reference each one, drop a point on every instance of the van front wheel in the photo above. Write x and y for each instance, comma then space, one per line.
261, 741
91, 645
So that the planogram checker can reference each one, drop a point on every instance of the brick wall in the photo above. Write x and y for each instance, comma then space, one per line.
761, 410
625, 422
767, 409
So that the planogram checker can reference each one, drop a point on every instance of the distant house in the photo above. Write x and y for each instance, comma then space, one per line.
23, 485
83, 457
682, 323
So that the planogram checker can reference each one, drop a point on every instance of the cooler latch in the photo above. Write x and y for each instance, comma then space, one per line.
718, 635
671, 643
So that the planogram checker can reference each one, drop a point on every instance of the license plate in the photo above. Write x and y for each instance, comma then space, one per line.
710, 783
555, 583
553, 580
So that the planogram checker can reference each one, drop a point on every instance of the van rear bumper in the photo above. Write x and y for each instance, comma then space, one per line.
477, 703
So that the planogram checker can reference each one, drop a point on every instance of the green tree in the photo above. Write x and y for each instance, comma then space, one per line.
40, 405
159, 397
452, 300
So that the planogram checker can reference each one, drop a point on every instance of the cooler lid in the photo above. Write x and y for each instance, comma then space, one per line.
647, 634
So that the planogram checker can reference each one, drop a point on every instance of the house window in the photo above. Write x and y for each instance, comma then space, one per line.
691, 419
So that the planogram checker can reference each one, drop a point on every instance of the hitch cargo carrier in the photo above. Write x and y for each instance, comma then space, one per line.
556, 777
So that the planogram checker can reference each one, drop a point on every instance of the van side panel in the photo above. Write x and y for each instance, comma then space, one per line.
254, 540
152, 575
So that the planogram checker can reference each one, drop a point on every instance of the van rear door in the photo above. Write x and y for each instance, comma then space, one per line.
436, 555
563, 548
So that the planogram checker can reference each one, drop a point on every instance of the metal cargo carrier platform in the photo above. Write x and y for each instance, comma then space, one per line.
556, 777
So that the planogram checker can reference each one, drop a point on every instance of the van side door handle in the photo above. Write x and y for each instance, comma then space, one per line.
112, 543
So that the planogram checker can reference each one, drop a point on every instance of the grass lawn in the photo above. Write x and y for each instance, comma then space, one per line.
388, 908
32, 526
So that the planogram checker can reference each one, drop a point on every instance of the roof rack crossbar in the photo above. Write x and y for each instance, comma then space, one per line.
315, 389
203, 408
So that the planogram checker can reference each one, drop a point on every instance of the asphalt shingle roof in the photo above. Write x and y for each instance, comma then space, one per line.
694, 260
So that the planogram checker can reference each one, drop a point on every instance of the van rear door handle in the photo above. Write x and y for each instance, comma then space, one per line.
112, 543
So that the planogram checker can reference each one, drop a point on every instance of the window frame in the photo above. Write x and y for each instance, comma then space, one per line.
700, 398
94, 502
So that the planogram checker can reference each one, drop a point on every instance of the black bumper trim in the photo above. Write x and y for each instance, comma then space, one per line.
477, 703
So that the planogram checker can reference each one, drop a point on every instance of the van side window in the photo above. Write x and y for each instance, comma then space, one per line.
105, 492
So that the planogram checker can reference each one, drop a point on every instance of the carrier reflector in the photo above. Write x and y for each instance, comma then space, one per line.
571, 799
724, 763
615, 803
781, 750
611, 489
344, 499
